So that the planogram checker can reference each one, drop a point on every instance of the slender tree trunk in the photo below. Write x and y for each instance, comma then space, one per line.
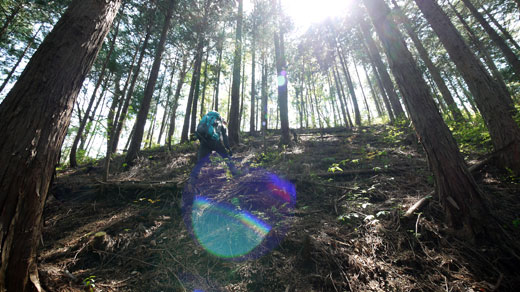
350, 84
242, 92
283, 81
374, 94
110, 125
264, 95
252, 117
13, 69
497, 114
130, 93
187, 115
338, 90
196, 92
217, 85
510, 56
35, 116
135, 145
151, 130
74, 147
167, 107
381, 69
180, 83
468, 95
461, 198
362, 92
234, 119
204, 84
503, 29
434, 71
461, 100
484, 54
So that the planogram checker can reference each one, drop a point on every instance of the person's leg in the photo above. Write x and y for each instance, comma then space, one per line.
221, 150
202, 158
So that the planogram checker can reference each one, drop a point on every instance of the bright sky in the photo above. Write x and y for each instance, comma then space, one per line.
306, 12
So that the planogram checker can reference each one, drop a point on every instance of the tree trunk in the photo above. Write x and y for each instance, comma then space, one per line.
434, 71
381, 69
252, 117
234, 119
186, 125
167, 107
196, 92
135, 144
484, 54
283, 82
202, 106
35, 115
180, 83
242, 91
149, 138
510, 56
374, 94
13, 69
497, 114
338, 90
350, 85
461, 198
217, 85
83, 123
502, 29
363, 93
137, 70
264, 95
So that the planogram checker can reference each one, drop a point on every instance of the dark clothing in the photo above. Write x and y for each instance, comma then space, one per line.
208, 145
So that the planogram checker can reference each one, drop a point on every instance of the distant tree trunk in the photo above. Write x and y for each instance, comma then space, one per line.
189, 104
468, 95
167, 107
217, 85
242, 91
459, 97
20, 58
497, 114
234, 119
484, 54
510, 56
338, 90
381, 69
283, 81
252, 117
130, 93
155, 109
83, 123
434, 71
363, 93
350, 84
502, 29
196, 92
110, 125
461, 198
135, 144
180, 83
202, 106
264, 95
374, 94
35, 116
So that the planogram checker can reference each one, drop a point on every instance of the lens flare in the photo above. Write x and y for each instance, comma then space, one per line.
240, 217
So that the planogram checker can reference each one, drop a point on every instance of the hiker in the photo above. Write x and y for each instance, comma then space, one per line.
212, 134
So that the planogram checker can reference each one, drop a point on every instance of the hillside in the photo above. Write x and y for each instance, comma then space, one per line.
348, 230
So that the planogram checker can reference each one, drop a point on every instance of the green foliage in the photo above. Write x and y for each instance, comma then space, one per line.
472, 136
90, 283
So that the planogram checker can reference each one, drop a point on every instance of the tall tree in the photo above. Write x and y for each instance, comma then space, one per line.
35, 115
252, 117
497, 113
350, 85
383, 73
135, 144
234, 119
458, 192
178, 88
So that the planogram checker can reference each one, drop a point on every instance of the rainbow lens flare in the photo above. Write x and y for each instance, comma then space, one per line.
237, 218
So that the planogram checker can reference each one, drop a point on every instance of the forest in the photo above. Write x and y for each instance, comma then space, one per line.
374, 145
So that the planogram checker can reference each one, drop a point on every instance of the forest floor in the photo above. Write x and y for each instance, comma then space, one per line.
347, 232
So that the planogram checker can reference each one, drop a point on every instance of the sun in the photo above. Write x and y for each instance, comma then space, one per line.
307, 12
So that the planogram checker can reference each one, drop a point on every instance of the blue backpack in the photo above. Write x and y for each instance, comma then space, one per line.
210, 126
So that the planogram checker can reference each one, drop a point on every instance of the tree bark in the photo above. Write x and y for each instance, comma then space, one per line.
204, 85
83, 123
264, 95
383, 73
234, 119
350, 84
217, 85
434, 71
461, 198
338, 90
497, 114
196, 91
135, 144
35, 115
252, 117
